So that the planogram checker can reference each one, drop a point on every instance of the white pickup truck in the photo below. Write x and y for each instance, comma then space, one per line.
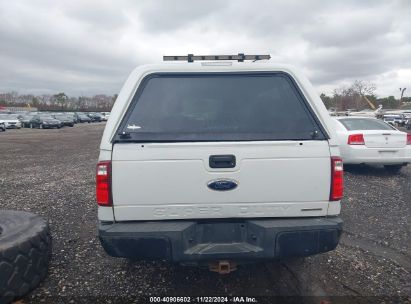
218, 161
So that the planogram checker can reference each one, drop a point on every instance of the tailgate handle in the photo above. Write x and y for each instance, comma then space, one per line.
222, 161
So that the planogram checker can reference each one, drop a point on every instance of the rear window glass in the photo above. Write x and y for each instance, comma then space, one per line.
364, 124
213, 107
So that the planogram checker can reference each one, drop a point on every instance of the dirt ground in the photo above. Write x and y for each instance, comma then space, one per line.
51, 173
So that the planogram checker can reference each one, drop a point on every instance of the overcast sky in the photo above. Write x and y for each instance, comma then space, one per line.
90, 47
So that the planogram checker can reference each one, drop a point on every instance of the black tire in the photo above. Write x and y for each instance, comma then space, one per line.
25, 253
393, 168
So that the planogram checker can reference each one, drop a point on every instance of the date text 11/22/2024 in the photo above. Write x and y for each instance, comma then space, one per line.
223, 299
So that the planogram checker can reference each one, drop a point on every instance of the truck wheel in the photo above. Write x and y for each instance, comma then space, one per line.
25, 252
393, 168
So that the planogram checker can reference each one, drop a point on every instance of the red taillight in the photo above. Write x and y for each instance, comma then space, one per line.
356, 139
409, 139
337, 179
103, 183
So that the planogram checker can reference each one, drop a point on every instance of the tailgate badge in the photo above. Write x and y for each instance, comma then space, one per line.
222, 184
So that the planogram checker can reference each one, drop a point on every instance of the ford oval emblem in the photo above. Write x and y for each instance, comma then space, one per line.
222, 184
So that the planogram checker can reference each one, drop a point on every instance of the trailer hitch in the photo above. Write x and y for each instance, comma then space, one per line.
222, 267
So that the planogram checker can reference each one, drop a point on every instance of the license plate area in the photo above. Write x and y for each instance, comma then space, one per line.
222, 238
220, 232
387, 152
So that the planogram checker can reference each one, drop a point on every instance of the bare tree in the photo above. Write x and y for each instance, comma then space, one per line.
364, 88
354, 95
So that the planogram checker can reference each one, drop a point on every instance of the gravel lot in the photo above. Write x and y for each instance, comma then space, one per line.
51, 172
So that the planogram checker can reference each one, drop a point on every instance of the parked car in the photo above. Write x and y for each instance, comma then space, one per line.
95, 117
105, 116
65, 120
73, 116
83, 118
2, 126
371, 141
389, 120
45, 122
25, 119
207, 165
11, 121
395, 119
407, 114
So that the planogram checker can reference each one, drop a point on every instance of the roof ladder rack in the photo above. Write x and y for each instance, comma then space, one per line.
240, 57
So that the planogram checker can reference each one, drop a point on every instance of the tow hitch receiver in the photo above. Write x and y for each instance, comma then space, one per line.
222, 267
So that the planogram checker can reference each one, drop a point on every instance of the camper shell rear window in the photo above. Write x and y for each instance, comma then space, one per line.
174, 107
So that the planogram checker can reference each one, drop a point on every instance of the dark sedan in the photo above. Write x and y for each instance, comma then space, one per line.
25, 120
45, 122
95, 117
83, 118
65, 120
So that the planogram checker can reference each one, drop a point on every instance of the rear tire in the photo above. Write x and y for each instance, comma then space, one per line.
393, 168
25, 253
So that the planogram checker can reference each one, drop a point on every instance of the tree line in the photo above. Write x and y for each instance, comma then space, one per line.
356, 96
59, 102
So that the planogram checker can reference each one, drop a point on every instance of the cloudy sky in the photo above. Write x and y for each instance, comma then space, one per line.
89, 47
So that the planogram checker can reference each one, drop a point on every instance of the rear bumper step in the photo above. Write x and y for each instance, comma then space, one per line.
239, 240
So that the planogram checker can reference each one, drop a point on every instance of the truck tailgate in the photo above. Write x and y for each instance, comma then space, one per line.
160, 181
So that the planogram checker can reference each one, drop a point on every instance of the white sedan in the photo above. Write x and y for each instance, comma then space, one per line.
11, 121
366, 140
